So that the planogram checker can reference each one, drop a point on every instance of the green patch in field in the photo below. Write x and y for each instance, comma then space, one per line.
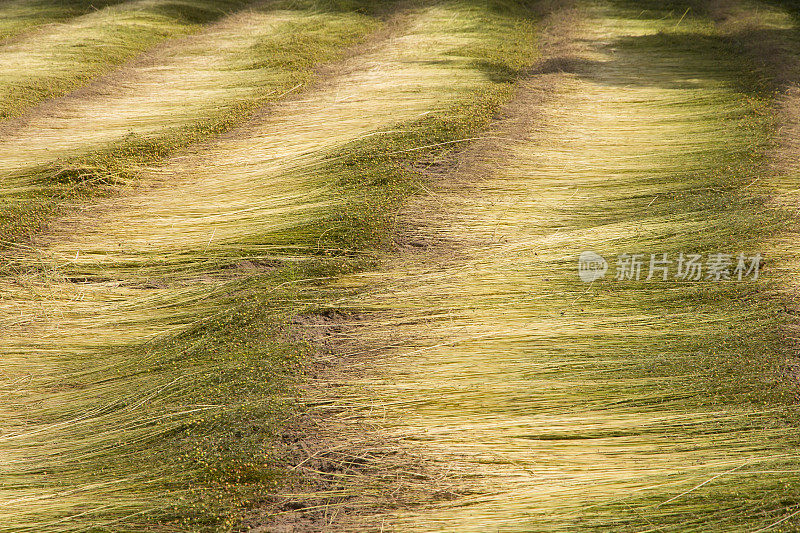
301, 46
